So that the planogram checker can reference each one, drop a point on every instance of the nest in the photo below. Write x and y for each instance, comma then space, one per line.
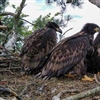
9, 61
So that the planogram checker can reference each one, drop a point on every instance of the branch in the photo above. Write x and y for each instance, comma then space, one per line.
20, 9
1, 71
84, 94
26, 87
7, 13
57, 97
27, 21
18, 13
3, 26
67, 31
8, 51
7, 90
12, 14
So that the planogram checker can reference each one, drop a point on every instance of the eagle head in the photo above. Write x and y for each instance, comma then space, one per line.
54, 26
91, 28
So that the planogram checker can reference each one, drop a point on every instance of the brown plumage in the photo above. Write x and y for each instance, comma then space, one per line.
37, 45
70, 52
93, 58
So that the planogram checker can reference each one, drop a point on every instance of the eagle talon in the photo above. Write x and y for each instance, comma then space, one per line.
86, 78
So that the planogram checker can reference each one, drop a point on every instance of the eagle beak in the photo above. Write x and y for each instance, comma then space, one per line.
59, 30
97, 29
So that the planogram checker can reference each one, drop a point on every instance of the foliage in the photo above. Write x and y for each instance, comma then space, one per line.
23, 30
9, 21
41, 21
64, 2
3, 4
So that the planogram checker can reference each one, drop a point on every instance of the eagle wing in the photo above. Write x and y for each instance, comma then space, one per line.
31, 42
66, 55
37, 46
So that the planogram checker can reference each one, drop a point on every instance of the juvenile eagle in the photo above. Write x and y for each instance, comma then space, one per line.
70, 52
93, 58
37, 45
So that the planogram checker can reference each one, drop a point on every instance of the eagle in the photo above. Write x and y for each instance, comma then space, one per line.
93, 58
36, 46
70, 52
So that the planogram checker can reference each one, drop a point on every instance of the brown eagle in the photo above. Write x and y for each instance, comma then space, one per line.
37, 45
70, 52
93, 58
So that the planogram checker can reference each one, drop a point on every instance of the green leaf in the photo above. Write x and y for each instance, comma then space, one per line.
13, 6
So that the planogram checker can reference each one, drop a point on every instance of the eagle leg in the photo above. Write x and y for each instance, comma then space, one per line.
86, 78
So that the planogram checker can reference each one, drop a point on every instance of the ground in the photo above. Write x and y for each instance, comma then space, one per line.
30, 88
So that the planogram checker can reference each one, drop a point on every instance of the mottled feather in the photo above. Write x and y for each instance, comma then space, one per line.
68, 53
66, 56
37, 45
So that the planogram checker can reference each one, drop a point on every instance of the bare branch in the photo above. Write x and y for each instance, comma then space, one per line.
67, 31
26, 87
84, 94
27, 21
7, 90
57, 97
3, 26
7, 13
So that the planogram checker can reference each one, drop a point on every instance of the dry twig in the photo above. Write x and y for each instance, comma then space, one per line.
8, 91
84, 94
25, 89
7, 71
57, 97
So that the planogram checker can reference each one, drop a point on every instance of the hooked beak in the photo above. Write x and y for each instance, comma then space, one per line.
97, 29
59, 30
